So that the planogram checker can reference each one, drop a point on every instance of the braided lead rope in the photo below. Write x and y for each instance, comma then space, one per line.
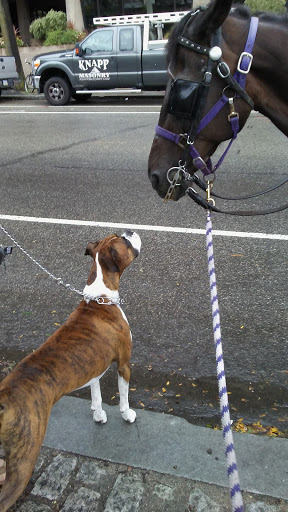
233, 477
106, 301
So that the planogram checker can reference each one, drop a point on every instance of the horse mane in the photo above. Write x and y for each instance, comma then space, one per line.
172, 44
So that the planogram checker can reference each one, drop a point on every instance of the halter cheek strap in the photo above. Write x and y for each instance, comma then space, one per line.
237, 83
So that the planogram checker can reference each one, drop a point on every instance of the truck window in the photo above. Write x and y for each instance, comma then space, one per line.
99, 41
126, 39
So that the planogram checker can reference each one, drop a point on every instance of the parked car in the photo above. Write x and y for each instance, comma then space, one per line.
8, 73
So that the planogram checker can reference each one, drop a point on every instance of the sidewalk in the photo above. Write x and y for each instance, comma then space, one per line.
159, 463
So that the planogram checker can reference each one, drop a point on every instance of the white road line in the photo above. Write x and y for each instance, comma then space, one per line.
75, 113
143, 227
82, 107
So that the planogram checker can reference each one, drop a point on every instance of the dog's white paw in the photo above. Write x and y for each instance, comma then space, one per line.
129, 415
100, 416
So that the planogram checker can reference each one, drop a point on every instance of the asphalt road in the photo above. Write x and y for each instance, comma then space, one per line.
89, 163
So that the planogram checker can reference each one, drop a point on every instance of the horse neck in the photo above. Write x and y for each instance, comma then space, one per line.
268, 79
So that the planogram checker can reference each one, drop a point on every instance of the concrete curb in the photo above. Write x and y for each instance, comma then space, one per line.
169, 445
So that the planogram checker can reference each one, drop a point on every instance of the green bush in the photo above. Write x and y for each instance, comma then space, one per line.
277, 6
54, 20
18, 41
37, 29
56, 37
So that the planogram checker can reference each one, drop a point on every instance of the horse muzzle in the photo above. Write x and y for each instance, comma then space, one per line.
161, 184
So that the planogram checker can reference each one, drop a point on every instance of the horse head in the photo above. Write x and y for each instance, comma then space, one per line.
198, 42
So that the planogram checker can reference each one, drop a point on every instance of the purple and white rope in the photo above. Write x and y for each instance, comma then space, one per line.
233, 477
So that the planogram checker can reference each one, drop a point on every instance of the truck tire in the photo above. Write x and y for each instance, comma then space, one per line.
57, 91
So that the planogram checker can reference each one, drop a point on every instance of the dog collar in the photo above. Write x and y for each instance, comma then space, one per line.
106, 301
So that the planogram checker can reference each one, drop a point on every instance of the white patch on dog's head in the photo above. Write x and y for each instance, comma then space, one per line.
134, 240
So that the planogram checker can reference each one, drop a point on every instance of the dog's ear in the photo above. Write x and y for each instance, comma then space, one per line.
121, 257
115, 260
90, 249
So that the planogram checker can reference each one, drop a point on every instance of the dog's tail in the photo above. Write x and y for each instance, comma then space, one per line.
21, 436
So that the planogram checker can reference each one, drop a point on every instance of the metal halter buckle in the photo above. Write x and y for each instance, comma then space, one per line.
199, 160
244, 54
226, 70
182, 137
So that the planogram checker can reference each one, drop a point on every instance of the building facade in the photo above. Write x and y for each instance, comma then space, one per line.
81, 12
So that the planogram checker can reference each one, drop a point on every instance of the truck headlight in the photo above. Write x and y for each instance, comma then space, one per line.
36, 64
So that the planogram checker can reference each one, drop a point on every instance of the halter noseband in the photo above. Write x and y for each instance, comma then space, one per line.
236, 83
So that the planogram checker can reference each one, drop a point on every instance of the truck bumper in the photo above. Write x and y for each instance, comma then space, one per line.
37, 81
7, 83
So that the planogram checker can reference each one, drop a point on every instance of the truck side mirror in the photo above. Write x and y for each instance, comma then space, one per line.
78, 50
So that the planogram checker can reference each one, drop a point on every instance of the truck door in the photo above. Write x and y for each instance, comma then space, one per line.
96, 68
129, 56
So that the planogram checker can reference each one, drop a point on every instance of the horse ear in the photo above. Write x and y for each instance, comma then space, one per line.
212, 17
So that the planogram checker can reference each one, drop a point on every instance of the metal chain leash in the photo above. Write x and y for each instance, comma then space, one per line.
107, 301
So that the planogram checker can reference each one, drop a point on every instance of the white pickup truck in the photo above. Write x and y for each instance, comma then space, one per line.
8, 73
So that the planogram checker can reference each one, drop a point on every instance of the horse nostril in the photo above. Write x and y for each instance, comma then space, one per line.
154, 178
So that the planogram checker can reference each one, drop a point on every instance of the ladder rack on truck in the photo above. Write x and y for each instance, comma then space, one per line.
163, 17
157, 20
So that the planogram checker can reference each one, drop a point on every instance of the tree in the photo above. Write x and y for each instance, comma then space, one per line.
9, 36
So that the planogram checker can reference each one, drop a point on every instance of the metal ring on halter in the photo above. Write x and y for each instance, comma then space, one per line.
177, 169
209, 178
168, 179
232, 90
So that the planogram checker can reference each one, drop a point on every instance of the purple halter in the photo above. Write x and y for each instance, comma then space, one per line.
237, 83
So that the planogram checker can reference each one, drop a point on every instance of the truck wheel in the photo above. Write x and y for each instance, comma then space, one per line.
81, 98
57, 91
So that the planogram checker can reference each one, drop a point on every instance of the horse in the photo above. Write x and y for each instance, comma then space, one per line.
215, 81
